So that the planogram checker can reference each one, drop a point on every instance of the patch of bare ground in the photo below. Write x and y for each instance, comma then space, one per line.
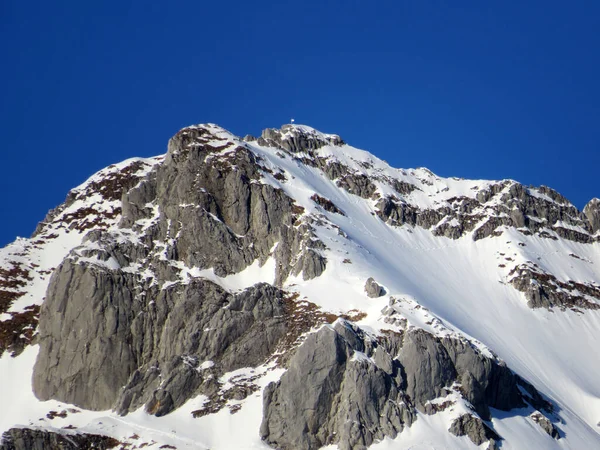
19, 330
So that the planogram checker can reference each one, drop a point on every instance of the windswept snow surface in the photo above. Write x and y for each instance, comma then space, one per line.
444, 286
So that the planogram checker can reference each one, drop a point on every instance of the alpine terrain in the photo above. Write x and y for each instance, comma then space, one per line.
293, 292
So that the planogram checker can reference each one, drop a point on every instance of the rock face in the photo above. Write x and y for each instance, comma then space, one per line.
333, 393
592, 212
209, 183
345, 388
298, 139
202, 208
373, 289
29, 439
153, 350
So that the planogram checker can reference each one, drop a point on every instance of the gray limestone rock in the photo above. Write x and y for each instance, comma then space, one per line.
474, 428
296, 139
545, 424
333, 393
373, 289
124, 325
592, 213
345, 388
427, 366
358, 184
531, 210
85, 348
544, 290
101, 336
210, 215
395, 212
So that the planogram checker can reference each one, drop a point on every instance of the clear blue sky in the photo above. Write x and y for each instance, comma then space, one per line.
482, 90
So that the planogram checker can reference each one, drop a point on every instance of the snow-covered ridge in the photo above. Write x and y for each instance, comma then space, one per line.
446, 252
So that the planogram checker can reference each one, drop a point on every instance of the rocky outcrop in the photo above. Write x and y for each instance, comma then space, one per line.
545, 425
343, 387
358, 184
208, 209
510, 204
296, 139
326, 204
334, 393
36, 439
395, 212
543, 290
592, 212
373, 289
152, 348
431, 364
506, 203
475, 429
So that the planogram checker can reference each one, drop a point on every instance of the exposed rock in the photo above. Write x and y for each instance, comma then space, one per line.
358, 184
506, 203
395, 212
333, 393
19, 330
592, 212
326, 204
474, 428
433, 408
402, 187
373, 289
543, 290
124, 309
210, 215
35, 439
130, 343
312, 264
545, 424
296, 139
340, 366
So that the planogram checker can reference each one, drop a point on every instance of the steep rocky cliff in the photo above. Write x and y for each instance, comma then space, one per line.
305, 283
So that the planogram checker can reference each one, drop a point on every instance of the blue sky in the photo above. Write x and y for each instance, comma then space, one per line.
480, 90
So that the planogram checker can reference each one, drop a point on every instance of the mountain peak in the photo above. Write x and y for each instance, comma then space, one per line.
294, 269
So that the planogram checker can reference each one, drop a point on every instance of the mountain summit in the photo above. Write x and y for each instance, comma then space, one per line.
291, 291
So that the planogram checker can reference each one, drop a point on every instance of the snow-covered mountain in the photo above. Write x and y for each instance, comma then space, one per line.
291, 291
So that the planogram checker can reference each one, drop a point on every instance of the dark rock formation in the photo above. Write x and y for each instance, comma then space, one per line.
34, 439
210, 215
295, 139
474, 428
507, 203
545, 424
543, 290
326, 204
